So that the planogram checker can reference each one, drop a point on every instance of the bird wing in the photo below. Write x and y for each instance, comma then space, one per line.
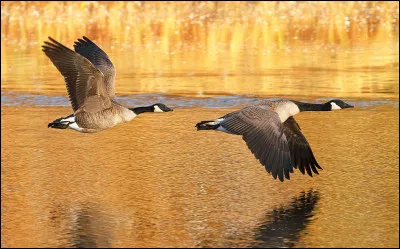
100, 60
300, 150
84, 82
262, 131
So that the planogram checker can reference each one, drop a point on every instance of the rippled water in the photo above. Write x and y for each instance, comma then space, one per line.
156, 182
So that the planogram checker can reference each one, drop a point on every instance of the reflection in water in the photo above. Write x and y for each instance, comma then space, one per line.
353, 73
156, 182
89, 229
283, 226
161, 184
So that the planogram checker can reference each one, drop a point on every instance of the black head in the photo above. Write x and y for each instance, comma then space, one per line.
161, 108
337, 104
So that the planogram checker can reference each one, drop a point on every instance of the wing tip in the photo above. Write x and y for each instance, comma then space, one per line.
53, 40
287, 174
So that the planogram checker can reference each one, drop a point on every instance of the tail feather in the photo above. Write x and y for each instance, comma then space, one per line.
62, 123
58, 125
207, 125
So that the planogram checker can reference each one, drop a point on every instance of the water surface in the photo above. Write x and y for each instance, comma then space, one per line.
156, 182
307, 71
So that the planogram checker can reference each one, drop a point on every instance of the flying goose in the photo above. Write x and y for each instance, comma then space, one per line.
89, 76
273, 135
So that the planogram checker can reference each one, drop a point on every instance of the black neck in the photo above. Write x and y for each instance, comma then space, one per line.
142, 109
305, 107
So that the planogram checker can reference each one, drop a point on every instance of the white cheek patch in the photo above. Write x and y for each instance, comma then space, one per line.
157, 109
335, 106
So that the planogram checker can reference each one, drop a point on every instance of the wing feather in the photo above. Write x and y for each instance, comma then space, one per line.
100, 60
262, 131
300, 150
81, 77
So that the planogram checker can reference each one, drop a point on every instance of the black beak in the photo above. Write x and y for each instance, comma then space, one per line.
168, 109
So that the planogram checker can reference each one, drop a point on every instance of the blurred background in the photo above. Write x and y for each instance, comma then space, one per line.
310, 49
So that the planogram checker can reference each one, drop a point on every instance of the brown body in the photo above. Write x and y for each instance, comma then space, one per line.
273, 135
89, 76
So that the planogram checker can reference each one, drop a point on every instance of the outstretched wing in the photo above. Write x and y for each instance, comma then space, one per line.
300, 150
262, 131
82, 79
100, 60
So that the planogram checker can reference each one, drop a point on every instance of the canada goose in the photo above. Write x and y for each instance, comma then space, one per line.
89, 76
273, 135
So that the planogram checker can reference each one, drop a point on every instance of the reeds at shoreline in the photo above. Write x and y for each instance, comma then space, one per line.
174, 26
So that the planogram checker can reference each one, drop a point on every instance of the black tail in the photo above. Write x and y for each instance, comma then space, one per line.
58, 125
203, 125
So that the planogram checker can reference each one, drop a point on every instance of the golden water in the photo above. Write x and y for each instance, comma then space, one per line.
310, 49
156, 182
360, 72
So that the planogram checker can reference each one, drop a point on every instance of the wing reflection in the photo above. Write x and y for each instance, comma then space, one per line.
89, 229
282, 226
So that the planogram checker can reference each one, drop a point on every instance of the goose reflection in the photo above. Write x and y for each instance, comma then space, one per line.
282, 226
89, 229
